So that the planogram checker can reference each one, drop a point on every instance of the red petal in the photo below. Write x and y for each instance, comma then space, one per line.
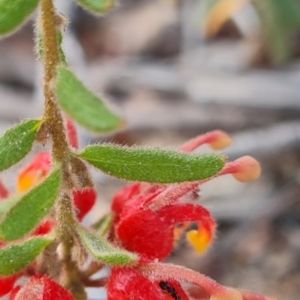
7, 283
146, 233
52, 290
44, 228
84, 200
41, 287
71, 133
150, 232
123, 195
14, 292
4, 193
129, 284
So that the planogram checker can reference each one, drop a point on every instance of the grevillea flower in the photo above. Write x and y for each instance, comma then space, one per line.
146, 216
149, 231
129, 283
159, 281
147, 219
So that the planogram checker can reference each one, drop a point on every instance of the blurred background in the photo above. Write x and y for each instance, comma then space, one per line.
178, 68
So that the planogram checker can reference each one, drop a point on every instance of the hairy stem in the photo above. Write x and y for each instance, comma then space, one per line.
52, 114
60, 150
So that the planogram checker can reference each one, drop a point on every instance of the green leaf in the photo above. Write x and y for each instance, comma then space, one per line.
30, 209
97, 6
14, 12
16, 257
16, 142
6, 204
103, 251
62, 57
83, 106
152, 165
103, 225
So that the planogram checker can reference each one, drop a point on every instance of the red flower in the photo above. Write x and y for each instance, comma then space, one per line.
84, 200
44, 228
128, 284
146, 215
7, 283
38, 168
41, 287
150, 231
33, 172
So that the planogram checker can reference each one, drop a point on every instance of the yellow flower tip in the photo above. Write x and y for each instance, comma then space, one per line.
219, 139
200, 239
33, 172
27, 179
247, 169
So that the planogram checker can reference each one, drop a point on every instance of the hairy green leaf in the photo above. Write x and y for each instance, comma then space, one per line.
97, 6
14, 12
16, 257
100, 249
83, 106
152, 165
16, 142
30, 209
103, 225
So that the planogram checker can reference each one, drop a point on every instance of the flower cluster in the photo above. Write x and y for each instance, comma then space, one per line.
147, 219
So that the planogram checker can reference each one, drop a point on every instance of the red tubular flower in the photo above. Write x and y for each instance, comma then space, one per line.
128, 284
150, 232
7, 283
203, 288
41, 287
146, 215
84, 200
